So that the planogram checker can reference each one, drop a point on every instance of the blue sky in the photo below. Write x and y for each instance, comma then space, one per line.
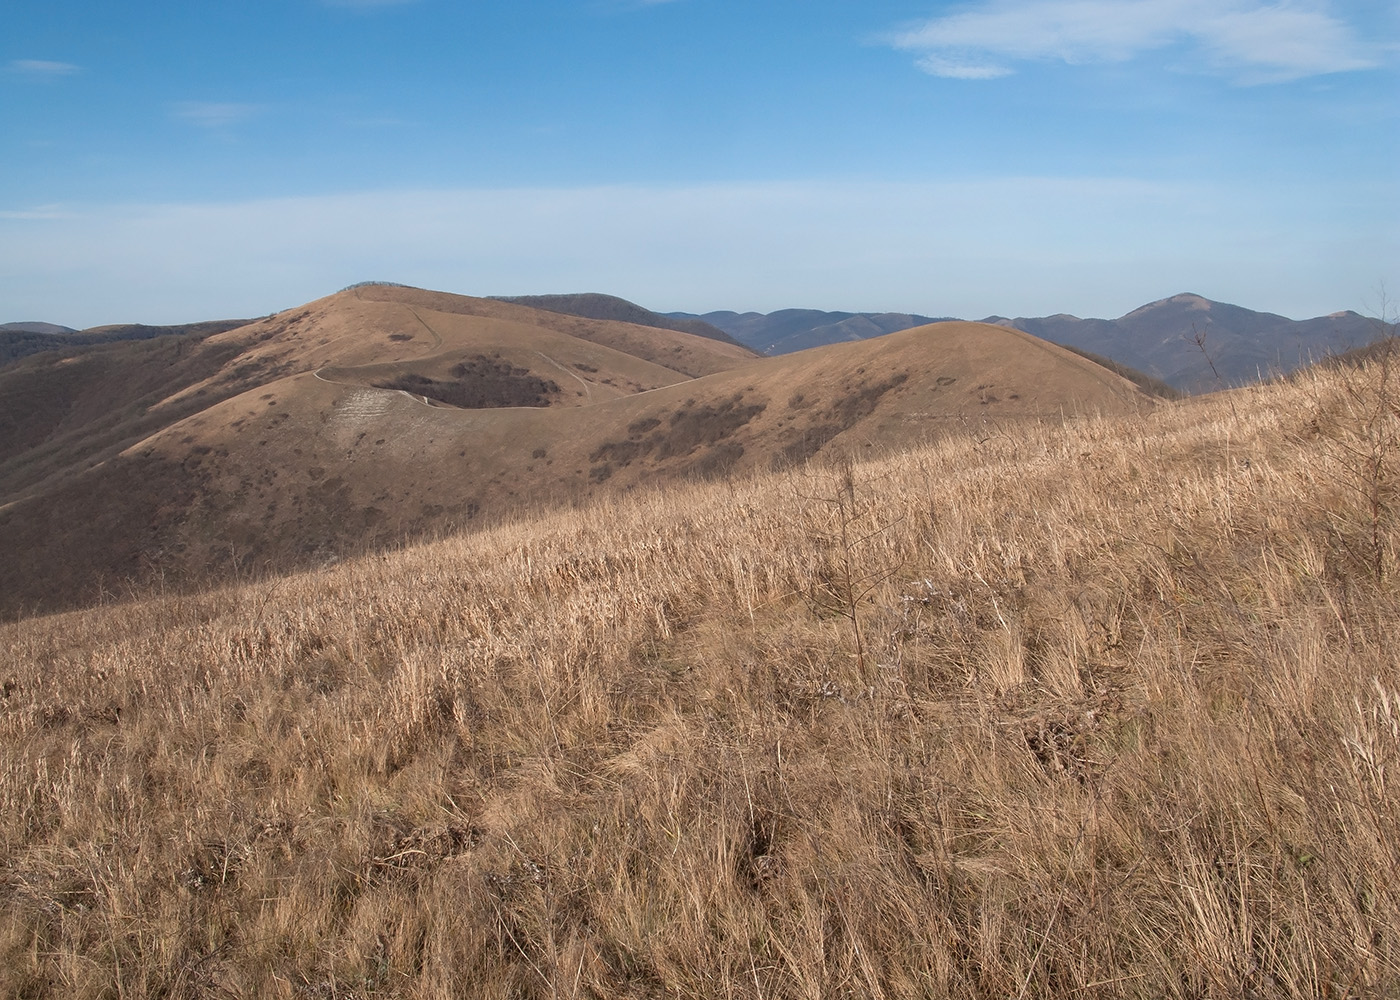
166, 162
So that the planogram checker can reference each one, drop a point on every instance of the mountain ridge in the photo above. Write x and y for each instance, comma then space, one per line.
1196, 344
1157, 338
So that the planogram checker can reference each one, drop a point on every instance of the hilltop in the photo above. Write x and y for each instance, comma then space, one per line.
1100, 707
383, 415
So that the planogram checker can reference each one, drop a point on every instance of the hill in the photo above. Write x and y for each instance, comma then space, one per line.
1101, 708
384, 415
46, 328
592, 305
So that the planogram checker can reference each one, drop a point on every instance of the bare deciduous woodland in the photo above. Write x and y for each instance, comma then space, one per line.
1107, 708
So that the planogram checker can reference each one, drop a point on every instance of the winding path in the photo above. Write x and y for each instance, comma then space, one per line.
587, 389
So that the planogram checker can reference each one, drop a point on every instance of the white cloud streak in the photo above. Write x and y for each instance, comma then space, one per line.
213, 114
1016, 246
46, 212
1248, 40
42, 69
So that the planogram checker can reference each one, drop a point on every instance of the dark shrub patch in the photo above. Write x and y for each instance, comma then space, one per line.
623, 452
688, 429
695, 426
718, 460
845, 413
480, 383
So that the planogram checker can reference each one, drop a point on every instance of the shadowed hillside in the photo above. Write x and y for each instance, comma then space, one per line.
1101, 708
595, 306
20, 340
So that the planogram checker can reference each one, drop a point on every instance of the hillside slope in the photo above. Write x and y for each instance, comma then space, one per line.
1106, 709
383, 415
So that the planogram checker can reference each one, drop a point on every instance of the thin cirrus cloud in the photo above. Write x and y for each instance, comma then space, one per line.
1247, 40
213, 114
42, 69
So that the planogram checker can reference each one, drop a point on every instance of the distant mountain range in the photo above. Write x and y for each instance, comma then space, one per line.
1189, 342
1195, 344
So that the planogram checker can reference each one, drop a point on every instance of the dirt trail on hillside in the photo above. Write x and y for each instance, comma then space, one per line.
587, 388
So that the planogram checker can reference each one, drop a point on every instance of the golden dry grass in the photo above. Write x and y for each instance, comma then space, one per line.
1108, 709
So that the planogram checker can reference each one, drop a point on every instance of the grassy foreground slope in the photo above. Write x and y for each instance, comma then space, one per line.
1107, 709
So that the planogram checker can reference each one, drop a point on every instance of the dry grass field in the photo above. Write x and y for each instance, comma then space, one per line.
1101, 708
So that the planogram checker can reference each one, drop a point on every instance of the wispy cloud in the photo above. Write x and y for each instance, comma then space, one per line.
38, 213
961, 68
1249, 40
213, 114
42, 69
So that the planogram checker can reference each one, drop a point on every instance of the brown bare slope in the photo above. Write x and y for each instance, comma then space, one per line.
330, 455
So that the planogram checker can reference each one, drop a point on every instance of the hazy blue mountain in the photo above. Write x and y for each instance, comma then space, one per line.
1158, 339
1236, 345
